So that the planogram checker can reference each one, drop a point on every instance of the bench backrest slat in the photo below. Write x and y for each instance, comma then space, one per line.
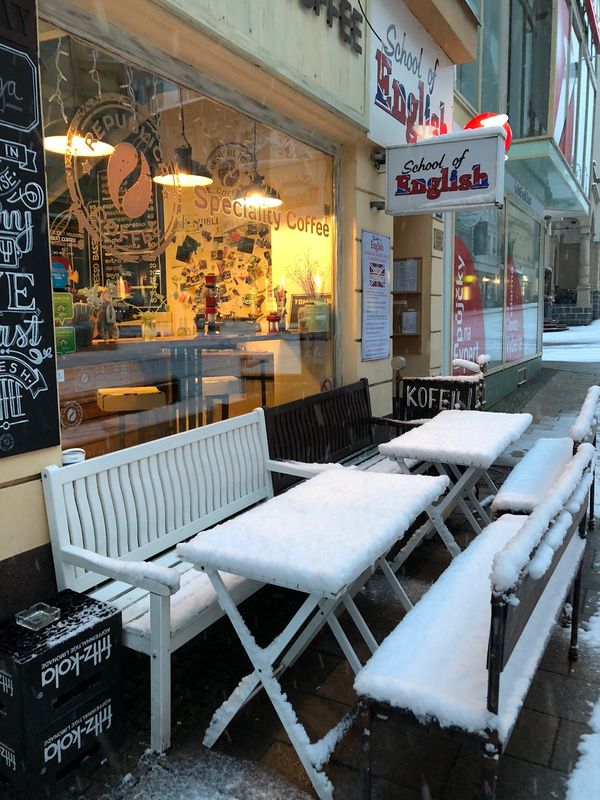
141, 501
528, 594
323, 427
516, 586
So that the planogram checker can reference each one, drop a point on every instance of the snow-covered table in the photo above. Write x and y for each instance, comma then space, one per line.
322, 538
462, 444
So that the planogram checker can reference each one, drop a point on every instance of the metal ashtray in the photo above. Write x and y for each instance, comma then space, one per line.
38, 616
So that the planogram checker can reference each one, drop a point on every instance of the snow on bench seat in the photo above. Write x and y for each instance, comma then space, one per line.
195, 598
434, 663
530, 480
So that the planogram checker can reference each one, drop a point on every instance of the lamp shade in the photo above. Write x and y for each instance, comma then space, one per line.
258, 194
76, 145
187, 172
492, 119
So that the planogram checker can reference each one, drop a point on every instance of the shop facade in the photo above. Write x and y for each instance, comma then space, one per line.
509, 265
176, 301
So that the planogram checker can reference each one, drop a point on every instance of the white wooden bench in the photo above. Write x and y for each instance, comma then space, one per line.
115, 521
452, 663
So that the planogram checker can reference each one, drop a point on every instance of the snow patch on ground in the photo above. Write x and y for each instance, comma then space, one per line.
206, 775
580, 344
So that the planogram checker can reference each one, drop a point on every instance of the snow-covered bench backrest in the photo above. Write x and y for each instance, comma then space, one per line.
584, 427
513, 562
138, 502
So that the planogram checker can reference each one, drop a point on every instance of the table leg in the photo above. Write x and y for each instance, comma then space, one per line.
468, 491
460, 500
394, 582
264, 675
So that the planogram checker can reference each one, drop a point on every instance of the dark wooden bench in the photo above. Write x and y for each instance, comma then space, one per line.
334, 426
452, 662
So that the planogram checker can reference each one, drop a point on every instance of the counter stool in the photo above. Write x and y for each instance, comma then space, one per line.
219, 387
123, 399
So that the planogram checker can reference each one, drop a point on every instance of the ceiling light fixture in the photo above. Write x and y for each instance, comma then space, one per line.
257, 193
186, 171
76, 145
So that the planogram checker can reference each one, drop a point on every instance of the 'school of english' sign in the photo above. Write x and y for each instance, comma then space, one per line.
446, 173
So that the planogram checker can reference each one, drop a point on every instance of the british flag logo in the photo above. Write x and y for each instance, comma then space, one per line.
377, 275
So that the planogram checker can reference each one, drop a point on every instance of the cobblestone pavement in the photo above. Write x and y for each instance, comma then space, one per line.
408, 762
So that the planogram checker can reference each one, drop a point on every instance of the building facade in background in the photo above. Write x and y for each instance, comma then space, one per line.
533, 257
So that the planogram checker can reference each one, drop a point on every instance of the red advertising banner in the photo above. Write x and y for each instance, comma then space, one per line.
513, 322
468, 331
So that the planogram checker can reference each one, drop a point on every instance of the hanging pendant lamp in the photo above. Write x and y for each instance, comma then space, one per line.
257, 193
186, 170
76, 145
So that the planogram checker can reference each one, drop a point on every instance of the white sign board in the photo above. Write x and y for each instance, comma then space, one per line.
411, 80
446, 173
376, 298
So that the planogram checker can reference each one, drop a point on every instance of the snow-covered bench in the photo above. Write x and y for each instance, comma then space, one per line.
534, 475
529, 482
454, 663
115, 521
338, 426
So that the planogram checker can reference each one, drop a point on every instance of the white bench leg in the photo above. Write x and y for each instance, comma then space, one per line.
160, 673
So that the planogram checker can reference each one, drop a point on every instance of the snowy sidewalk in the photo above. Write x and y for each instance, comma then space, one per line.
255, 761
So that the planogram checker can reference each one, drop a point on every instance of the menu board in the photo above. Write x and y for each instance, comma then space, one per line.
28, 401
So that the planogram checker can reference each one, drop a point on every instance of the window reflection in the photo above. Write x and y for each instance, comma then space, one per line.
192, 299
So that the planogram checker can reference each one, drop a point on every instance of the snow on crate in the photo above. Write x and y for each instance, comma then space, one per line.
336, 520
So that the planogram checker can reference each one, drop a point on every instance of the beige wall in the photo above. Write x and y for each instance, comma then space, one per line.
22, 514
289, 41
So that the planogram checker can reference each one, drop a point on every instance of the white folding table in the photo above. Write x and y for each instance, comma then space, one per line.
322, 538
462, 445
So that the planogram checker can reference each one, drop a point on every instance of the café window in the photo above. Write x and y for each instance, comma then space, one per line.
192, 253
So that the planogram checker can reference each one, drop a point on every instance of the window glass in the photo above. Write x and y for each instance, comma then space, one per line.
522, 285
582, 116
478, 292
529, 67
180, 303
490, 84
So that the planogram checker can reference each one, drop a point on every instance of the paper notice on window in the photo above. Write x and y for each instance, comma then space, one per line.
409, 322
376, 296
406, 275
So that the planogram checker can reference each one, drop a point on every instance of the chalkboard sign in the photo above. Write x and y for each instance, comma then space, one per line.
28, 400
423, 398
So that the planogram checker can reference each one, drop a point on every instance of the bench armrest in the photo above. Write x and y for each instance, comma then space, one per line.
143, 574
298, 469
398, 424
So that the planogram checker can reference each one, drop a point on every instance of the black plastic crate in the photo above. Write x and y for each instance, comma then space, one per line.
45, 674
38, 764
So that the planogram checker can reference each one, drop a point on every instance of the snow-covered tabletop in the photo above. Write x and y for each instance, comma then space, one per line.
320, 535
468, 438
